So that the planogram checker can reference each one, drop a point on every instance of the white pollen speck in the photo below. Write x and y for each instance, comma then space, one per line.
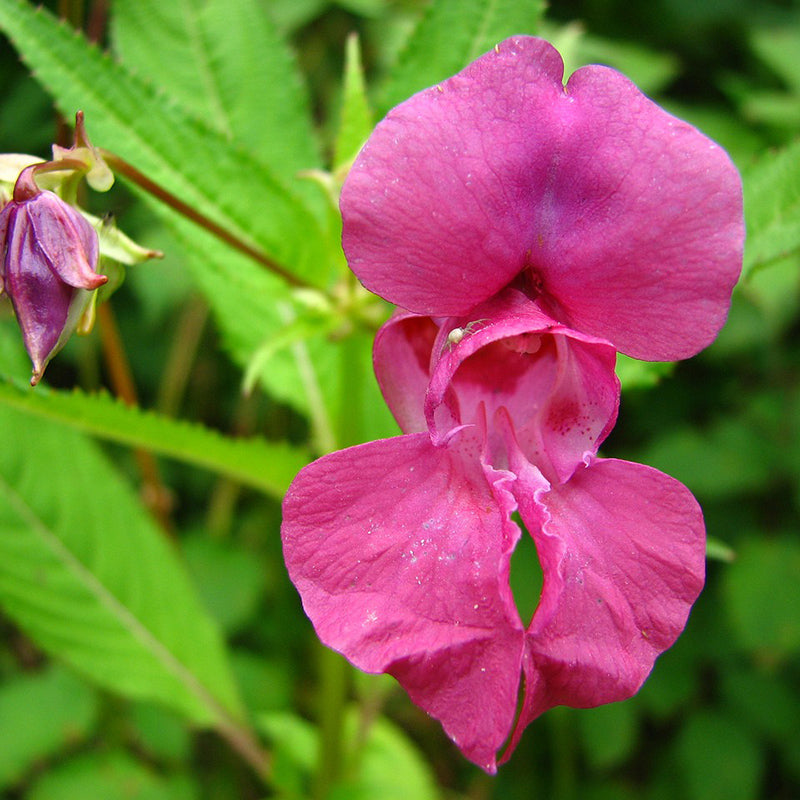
475, 606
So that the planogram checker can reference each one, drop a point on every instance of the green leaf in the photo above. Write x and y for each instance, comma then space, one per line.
765, 700
387, 764
223, 61
634, 374
450, 35
40, 714
267, 466
159, 733
608, 733
772, 208
762, 589
231, 581
780, 49
84, 572
719, 759
186, 157
356, 121
111, 776
720, 461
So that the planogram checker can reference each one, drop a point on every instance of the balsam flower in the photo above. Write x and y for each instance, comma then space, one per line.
623, 221
400, 548
48, 261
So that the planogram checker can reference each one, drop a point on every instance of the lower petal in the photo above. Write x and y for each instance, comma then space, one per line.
623, 552
400, 552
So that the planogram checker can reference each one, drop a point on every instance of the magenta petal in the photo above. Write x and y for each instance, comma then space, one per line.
628, 220
645, 222
622, 548
557, 386
402, 356
400, 552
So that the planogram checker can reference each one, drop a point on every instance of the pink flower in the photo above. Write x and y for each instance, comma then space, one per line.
400, 548
625, 222
48, 261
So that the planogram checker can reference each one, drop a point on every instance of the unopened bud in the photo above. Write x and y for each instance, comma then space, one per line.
48, 262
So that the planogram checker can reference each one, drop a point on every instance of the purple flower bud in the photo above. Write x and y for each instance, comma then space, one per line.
48, 258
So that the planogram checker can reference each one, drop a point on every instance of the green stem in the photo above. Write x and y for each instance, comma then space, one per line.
151, 187
333, 694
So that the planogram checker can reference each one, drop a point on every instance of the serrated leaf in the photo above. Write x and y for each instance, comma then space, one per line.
356, 121
772, 208
263, 465
223, 61
450, 35
187, 158
84, 572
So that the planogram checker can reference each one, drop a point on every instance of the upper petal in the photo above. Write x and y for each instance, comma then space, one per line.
628, 220
622, 548
400, 552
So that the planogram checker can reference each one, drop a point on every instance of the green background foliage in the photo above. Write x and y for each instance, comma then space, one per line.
140, 660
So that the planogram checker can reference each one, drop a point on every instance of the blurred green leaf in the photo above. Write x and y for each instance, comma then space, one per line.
772, 207
266, 466
115, 776
160, 733
223, 61
634, 374
292, 14
267, 684
388, 765
779, 109
230, 581
671, 685
725, 459
356, 121
293, 744
86, 575
608, 733
762, 592
40, 715
719, 758
780, 49
451, 35
765, 700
